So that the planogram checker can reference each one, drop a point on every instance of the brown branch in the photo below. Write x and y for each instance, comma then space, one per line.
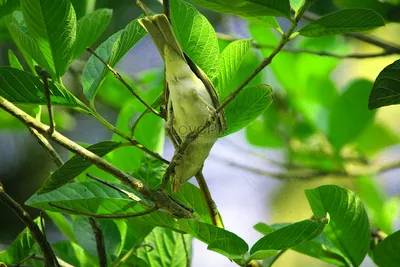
119, 78
45, 78
103, 216
101, 248
312, 52
48, 147
211, 206
167, 9
159, 198
50, 259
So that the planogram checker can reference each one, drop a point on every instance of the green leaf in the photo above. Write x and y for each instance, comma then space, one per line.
13, 60
259, 134
267, 21
73, 254
86, 238
386, 253
350, 116
112, 50
279, 8
168, 249
386, 89
232, 245
296, 4
83, 7
133, 233
388, 11
53, 25
343, 22
23, 88
90, 28
21, 247
196, 36
7, 7
151, 171
250, 103
62, 224
76, 165
348, 229
289, 236
230, 60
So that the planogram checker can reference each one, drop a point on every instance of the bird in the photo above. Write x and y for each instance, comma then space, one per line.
191, 101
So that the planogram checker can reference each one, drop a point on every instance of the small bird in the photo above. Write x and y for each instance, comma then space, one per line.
191, 101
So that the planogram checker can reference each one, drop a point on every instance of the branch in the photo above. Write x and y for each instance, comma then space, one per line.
167, 9
119, 78
101, 248
44, 75
211, 206
100, 216
48, 147
50, 259
306, 51
159, 198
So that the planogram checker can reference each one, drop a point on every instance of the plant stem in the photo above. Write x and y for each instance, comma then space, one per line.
49, 257
44, 76
101, 248
48, 147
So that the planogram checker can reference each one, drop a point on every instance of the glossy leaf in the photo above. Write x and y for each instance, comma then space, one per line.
342, 22
279, 8
250, 103
386, 253
386, 89
86, 238
112, 50
348, 229
76, 165
90, 28
218, 239
230, 60
13, 61
196, 36
289, 236
23, 88
53, 26
350, 116
168, 248
73, 254
21, 247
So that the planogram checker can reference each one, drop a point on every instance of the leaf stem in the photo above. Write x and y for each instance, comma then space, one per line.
45, 76
100, 246
48, 147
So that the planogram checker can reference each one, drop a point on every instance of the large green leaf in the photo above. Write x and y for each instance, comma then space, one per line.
13, 61
250, 103
73, 254
53, 25
76, 165
7, 7
288, 236
348, 229
386, 89
150, 172
196, 36
86, 238
21, 247
23, 88
230, 60
259, 134
342, 22
90, 28
279, 8
349, 115
112, 50
168, 249
386, 8
218, 239
62, 224
386, 254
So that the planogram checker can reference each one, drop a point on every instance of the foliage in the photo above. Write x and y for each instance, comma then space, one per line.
317, 126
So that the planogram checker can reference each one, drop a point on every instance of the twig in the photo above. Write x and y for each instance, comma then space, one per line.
159, 198
50, 259
101, 248
167, 9
45, 76
48, 147
146, 11
119, 78
306, 51
101, 216
211, 206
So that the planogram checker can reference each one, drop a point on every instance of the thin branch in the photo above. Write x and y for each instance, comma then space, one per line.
159, 198
119, 78
101, 248
167, 9
146, 11
229, 38
45, 76
50, 259
48, 147
103, 216
211, 206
